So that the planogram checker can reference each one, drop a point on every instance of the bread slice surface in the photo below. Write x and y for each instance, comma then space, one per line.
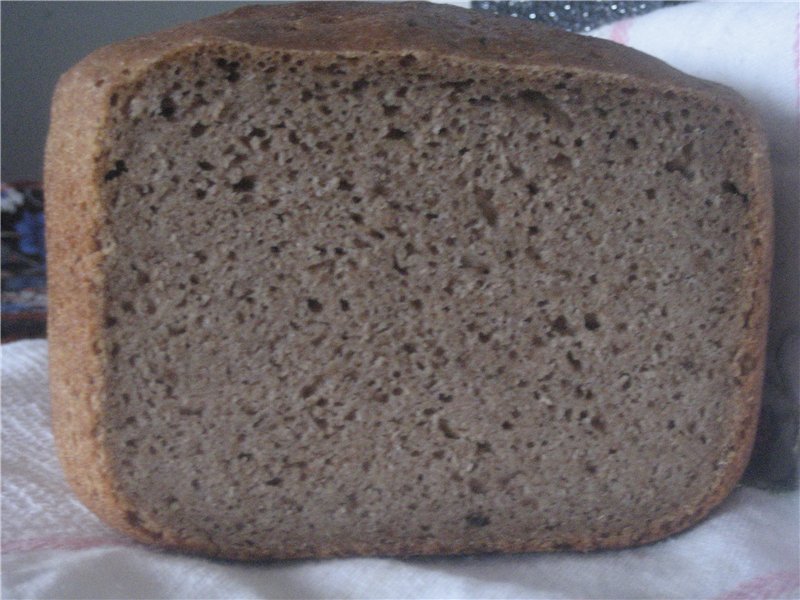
336, 279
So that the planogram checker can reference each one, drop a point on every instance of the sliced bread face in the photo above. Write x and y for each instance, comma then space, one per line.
342, 300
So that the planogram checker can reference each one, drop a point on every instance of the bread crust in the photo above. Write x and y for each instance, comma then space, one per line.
77, 247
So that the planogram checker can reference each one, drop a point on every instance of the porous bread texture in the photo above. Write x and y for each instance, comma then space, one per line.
381, 302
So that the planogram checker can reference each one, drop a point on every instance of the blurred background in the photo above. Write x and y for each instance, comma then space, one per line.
41, 40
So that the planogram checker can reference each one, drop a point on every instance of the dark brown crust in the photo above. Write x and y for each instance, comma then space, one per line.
75, 217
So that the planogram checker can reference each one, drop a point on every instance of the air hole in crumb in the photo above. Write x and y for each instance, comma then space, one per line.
390, 110
444, 427
308, 390
396, 134
730, 187
597, 423
206, 166
483, 199
574, 362
560, 325
344, 304
275, 481
168, 107
408, 59
476, 486
682, 163
314, 305
397, 267
560, 161
477, 520
591, 322
359, 85
119, 169
197, 130
245, 184
550, 110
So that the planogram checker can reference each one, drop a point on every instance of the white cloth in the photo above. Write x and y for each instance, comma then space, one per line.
52, 547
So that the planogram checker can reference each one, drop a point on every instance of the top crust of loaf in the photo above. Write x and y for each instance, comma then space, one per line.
76, 165
342, 27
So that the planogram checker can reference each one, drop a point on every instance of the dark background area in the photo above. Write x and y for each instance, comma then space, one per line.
42, 40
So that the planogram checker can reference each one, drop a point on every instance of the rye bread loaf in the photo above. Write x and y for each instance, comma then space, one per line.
337, 279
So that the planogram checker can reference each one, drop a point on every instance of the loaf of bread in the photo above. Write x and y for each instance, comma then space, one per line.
386, 279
